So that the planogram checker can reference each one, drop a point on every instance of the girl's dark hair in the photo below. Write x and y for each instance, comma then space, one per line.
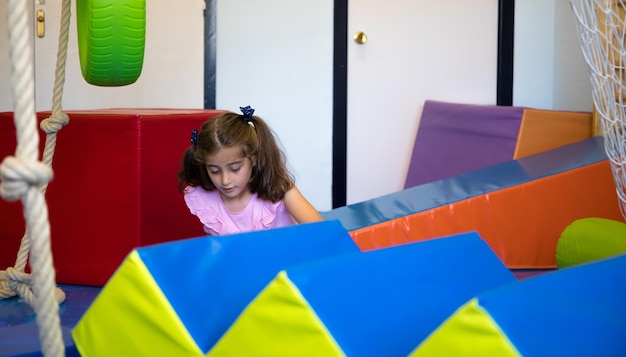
270, 177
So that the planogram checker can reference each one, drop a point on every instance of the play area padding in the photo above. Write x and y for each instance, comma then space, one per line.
349, 305
300, 290
543, 130
114, 188
115, 182
577, 311
519, 207
149, 307
456, 138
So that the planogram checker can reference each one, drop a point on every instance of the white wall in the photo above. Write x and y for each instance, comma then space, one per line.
172, 75
276, 56
572, 85
549, 69
6, 96
533, 58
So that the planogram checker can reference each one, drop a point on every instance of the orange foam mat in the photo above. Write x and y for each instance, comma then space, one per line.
543, 130
521, 223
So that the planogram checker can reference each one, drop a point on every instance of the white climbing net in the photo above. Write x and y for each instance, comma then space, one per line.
25, 178
602, 34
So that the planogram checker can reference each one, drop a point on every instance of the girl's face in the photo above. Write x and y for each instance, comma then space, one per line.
230, 172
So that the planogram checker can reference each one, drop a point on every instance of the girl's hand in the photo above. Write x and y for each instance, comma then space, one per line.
299, 208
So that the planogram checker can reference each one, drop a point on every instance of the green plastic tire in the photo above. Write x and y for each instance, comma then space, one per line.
111, 40
590, 239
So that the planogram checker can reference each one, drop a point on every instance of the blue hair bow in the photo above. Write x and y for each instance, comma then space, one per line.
247, 112
194, 137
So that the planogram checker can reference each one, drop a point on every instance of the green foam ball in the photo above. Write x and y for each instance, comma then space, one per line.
589, 239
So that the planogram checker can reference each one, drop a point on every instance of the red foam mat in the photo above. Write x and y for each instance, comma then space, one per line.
114, 189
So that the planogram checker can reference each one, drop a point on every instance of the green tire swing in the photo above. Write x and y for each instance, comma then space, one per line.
111, 40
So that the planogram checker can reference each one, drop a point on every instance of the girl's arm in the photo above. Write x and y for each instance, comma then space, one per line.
299, 208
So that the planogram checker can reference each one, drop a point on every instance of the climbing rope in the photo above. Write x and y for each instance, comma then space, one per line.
25, 178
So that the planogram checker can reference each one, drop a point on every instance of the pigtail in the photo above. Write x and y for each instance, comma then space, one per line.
270, 179
193, 172
189, 175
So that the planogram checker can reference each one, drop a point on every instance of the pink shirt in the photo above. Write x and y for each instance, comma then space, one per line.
218, 220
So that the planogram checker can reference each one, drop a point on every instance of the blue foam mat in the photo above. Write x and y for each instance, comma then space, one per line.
233, 269
385, 302
19, 334
576, 311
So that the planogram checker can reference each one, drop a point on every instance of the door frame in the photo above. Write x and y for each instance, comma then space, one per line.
209, 53
340, 104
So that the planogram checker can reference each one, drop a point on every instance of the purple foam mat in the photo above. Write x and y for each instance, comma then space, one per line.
521, 274
458, 138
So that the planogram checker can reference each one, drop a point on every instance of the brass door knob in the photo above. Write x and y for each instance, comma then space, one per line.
360, 37
41, 23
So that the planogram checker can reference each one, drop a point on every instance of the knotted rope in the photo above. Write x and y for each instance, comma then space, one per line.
24, 178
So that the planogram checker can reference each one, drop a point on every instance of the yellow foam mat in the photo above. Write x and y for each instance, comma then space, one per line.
470, 331
278, 322
132, 317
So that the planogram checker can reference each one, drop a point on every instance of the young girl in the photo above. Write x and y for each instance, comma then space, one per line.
234, 177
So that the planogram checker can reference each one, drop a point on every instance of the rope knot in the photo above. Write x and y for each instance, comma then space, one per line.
15, 282
17, 276
18, 175
54, 123
19, 282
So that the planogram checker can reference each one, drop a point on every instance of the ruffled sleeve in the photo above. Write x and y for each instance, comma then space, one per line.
217, 220
201, 204
272, 215
268, 213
